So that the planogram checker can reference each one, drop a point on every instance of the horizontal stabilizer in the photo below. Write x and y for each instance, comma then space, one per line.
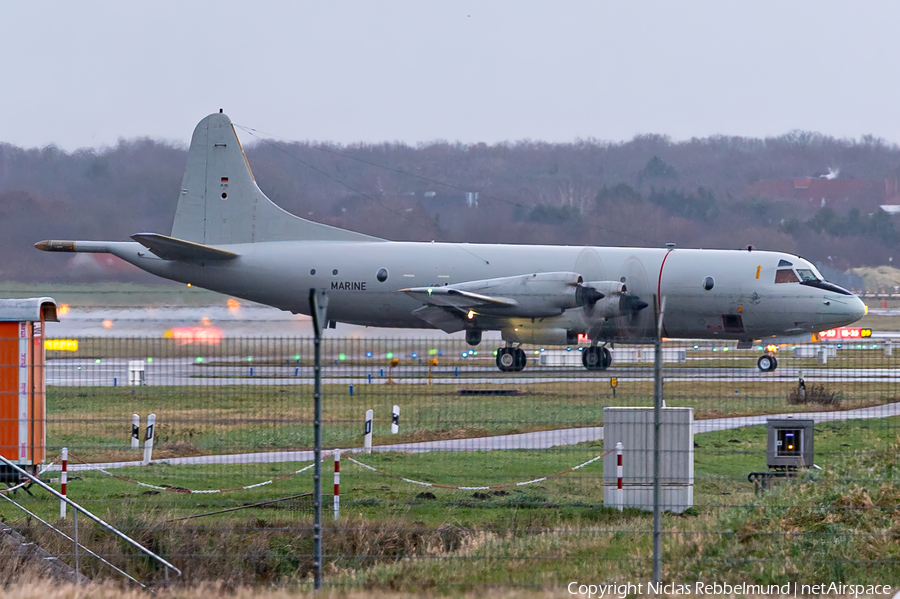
170, 248
457, 298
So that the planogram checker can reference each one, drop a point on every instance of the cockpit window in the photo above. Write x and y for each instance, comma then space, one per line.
785, 275
784, 262
807, 274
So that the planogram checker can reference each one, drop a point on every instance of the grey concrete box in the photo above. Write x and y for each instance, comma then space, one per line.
633, 427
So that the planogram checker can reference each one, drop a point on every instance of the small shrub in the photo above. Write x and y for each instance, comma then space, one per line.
814, 394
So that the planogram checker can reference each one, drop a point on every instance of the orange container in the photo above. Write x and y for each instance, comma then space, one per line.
23, 405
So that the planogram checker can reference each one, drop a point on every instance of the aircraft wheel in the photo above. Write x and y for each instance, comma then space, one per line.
521, 359
767, 363
605, 358
596, 358
506, 359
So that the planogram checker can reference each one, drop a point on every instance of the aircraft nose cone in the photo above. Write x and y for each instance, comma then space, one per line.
857, 309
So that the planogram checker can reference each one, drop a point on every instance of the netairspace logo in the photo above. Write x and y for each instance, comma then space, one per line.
622, 590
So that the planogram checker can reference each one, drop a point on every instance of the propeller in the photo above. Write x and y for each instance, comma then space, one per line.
586, 296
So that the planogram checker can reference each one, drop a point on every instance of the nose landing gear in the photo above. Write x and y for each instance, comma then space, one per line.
767, 363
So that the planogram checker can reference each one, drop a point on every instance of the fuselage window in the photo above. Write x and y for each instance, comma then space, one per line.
786, 275
807, 274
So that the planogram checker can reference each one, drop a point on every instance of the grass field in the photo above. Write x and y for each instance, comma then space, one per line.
94, 422
838, 524
164, 293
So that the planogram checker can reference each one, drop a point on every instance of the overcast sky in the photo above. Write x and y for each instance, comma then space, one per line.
86, 73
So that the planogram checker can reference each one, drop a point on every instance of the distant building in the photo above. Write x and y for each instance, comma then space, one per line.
841, 195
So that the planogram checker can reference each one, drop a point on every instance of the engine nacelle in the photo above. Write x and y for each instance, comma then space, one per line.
541, 336
535, 295
611, 305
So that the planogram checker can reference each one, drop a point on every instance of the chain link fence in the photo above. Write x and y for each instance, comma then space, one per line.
475, 477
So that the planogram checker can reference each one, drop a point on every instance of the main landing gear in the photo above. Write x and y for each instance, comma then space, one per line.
511, 359
767, 363
596, 358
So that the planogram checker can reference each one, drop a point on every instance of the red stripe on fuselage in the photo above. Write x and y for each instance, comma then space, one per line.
659, 292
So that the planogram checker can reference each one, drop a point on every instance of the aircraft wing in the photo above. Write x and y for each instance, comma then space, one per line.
170, 248
445, 319
449, 297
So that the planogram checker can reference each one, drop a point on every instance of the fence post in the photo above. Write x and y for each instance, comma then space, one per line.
620, 492
63, 479
75, 525
318, 307
657, 418
367, 432
148, 439
337, 484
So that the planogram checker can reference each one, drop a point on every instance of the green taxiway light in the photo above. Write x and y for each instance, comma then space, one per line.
432, 352
389, 355
149, 360
199, 359
342, 356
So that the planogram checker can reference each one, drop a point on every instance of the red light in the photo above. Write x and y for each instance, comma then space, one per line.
205, 335
846, 333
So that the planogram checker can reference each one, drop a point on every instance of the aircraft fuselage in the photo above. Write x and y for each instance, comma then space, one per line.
743, 301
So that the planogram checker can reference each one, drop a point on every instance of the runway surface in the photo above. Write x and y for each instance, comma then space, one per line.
186, 371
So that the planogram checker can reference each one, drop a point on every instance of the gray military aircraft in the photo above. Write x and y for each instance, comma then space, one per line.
229, 237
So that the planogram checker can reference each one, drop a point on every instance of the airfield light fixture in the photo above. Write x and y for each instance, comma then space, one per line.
471, 314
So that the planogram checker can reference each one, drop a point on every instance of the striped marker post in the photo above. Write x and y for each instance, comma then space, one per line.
135, 431
337, 484
63, 479
395, 420
148, 439
620, 492
367, 439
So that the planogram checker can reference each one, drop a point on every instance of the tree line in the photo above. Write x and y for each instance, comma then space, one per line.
645, 192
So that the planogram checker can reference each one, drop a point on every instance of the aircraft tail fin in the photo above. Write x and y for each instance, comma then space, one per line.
221, 204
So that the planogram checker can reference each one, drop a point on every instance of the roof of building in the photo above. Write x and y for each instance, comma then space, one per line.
28, 309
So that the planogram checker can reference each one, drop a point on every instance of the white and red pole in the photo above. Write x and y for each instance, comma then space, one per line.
337, 483
620, 493
63, 479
